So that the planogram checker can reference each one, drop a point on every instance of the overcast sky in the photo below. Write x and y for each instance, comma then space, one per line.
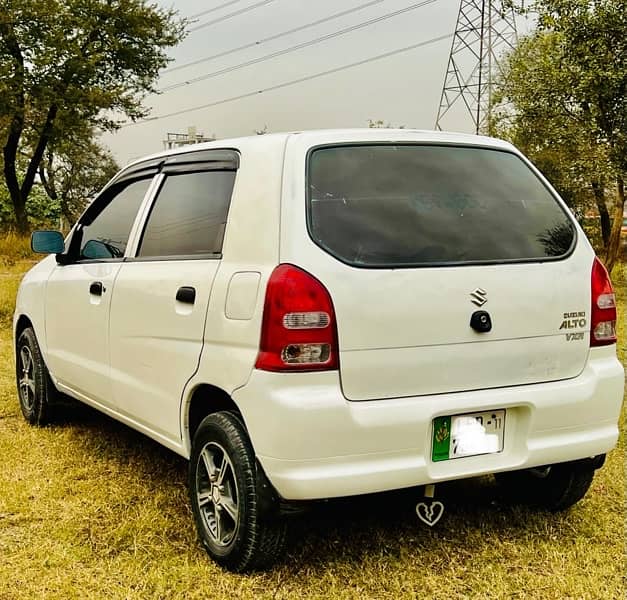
403, 89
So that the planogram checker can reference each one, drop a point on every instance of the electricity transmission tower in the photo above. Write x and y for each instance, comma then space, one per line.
485, 30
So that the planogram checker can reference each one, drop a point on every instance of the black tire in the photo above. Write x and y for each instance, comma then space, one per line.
35, 389
251, 540
554, 488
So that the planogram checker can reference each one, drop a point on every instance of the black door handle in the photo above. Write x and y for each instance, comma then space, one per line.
186, 294
96, 288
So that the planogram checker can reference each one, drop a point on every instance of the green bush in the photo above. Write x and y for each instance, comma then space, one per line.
41, 210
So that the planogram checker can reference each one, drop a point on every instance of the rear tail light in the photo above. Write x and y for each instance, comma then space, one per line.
603, 313
298, 332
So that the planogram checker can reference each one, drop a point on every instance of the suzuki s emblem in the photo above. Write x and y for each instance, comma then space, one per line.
479, 297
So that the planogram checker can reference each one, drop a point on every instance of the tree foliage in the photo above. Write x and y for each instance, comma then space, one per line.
72, 172
42, 212
562, 98
68, 64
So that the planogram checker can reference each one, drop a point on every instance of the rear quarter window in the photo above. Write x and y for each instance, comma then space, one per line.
404, 205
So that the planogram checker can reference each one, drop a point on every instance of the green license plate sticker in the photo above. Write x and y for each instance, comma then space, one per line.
441, 438
456, 436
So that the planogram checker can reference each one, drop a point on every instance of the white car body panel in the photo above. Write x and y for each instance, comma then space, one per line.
310, 435
251, 238
156, 340
30, 300
77, 328
317, 444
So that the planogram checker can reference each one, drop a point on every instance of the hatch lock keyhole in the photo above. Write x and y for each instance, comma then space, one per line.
481, 321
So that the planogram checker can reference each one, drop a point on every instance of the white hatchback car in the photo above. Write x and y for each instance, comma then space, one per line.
326, 314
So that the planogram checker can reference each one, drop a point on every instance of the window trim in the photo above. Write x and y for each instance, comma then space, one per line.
214, 159
562, 205
143, 214
181, 257
141, 170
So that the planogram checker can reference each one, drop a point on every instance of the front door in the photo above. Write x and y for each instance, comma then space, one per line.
78, 294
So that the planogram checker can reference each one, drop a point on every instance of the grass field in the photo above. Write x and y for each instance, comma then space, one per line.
91, 509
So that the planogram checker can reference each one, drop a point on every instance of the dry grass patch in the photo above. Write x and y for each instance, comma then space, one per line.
91, 509
15, 258
14, 248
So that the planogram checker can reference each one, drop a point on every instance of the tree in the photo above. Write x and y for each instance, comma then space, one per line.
73, 63
562, 98
530, 112
73, 172
43, 213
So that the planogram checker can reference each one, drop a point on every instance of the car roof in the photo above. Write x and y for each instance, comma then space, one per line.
320, 136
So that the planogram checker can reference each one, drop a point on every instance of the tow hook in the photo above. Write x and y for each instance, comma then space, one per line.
430, 512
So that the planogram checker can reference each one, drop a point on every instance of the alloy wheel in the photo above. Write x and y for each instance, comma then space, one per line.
27, 378
217, 494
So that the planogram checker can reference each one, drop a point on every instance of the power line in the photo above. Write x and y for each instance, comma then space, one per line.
300, 46
295, 81
214, 9
235, 13
275, 37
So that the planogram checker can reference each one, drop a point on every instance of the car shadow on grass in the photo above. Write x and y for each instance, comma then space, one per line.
348, 530
111, 440
386, 524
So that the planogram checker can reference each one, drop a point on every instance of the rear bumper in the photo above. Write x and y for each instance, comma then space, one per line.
313, 443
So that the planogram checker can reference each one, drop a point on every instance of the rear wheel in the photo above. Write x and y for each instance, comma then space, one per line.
34, 386
554, 487
223, 488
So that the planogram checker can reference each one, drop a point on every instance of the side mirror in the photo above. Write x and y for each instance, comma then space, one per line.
47, 242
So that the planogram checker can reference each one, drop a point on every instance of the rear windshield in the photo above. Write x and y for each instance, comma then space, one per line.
409, 205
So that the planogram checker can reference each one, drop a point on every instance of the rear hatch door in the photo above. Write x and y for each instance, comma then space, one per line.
412, 240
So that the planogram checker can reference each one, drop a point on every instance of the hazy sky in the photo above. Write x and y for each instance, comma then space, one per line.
403, 89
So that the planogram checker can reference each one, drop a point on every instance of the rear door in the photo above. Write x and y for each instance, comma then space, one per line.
161, 295
413, 239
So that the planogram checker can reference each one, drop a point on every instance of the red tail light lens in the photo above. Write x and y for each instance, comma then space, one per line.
298, 332
603, 313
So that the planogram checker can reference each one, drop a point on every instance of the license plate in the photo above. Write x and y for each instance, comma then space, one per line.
456, 436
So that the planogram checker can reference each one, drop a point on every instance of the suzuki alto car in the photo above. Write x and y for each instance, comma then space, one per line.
331, 313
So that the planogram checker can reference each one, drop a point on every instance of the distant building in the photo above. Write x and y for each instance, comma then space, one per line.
176, 140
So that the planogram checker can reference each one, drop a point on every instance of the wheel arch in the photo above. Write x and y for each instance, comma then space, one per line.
203, 400
22, 323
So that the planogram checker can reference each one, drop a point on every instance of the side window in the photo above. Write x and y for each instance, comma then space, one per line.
189, 215
106, 236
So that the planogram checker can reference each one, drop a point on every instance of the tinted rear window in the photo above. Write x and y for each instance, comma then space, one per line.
189, 215
404, 205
